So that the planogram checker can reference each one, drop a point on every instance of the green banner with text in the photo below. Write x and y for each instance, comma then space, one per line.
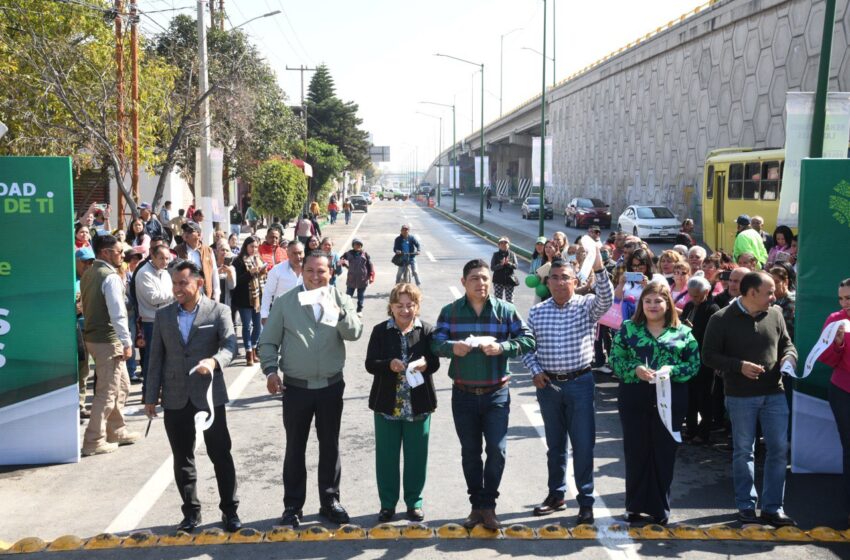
38, 349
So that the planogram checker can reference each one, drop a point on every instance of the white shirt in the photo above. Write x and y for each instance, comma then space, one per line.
280, 280
113, 291
153, 290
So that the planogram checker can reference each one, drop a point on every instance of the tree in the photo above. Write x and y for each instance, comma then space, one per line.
334, 121
279, 188
327, 162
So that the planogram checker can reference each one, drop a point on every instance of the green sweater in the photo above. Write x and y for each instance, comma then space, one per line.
308, 353
734, 336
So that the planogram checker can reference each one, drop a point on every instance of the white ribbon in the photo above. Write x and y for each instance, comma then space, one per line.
826, 338
202, 423
590, 248
663, 399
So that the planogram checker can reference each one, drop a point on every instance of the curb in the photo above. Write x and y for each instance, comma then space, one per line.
480, 232
420, 531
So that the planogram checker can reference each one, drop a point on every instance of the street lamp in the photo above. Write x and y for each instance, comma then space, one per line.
452, 156
270, 14
501, 62
481, 165
535, 51
543, 131
439, 149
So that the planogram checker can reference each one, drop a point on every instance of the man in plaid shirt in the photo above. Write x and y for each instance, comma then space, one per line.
563, 327
479, 368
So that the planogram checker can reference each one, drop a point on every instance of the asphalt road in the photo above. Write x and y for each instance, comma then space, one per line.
133, 488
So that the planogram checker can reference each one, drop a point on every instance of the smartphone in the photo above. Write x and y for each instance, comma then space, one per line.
101, 206
228, 260
725, 274
634, 277
783, 256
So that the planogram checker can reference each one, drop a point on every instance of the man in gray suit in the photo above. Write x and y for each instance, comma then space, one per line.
194, 332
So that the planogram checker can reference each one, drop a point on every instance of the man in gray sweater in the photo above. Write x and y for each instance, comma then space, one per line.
748, 342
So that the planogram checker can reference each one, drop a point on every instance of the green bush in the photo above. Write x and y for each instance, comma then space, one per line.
279, 188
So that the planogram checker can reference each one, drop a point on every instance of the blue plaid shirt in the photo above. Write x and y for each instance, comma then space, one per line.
564, 334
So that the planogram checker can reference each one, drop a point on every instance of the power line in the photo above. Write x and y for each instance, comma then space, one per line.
295, 33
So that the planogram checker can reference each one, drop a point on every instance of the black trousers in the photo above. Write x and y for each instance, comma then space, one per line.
299, 407
649, 449
700, 405
180, 428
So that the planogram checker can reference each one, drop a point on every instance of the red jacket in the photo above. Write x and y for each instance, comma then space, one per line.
272, 255
837, 357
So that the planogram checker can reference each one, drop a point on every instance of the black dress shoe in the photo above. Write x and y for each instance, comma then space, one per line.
292, 517
550, 505
747, 516
231, 522
334, 512
585, 515
630, 517
660, 520
415, 514
190, 522
778, 519
386, 514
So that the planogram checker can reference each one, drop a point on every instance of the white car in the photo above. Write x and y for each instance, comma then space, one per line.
649, 222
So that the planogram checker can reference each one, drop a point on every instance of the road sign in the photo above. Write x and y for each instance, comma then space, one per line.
379, 153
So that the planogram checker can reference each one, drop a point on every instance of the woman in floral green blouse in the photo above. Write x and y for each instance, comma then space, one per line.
653, 338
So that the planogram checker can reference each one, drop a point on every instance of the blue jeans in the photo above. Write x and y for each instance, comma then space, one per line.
347, 217
236, 228
771, 411
361, 294
476, 416
570, 411
251, 327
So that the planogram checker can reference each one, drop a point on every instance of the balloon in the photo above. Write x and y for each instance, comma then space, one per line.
542, 291
532, 281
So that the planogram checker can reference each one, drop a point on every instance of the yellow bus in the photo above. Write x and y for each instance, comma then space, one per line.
739, 181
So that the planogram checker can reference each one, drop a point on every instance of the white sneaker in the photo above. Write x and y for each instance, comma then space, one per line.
103, 448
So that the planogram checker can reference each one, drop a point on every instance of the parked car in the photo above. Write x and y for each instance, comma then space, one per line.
531, 209
359, 202
649, 222
445, 191
584, 212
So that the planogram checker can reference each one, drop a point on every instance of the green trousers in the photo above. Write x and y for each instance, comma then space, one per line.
390, 437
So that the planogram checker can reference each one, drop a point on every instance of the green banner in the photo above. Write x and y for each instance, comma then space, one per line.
822, 262
38, 349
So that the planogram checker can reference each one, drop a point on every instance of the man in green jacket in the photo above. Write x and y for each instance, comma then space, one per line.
748, 240
307, 343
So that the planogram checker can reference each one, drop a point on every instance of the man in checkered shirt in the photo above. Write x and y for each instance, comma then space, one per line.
563, 327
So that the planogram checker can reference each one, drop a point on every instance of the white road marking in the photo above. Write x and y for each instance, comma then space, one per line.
150, 492
430, 256
347, 243
617, 544
455, 292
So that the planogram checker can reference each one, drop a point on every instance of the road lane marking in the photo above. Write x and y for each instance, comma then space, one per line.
430, 256
347, 243
618, 547
150, 492
455, 292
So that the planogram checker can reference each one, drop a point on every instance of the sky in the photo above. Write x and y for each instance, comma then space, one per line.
380, 54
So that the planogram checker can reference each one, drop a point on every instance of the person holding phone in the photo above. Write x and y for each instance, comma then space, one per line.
781, 250
639, 269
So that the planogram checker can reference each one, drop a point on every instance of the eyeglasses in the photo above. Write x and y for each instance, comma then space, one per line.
679, 273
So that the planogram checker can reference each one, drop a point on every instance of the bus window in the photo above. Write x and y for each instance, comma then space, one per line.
770, 173
736, 181
709, 184
751, 181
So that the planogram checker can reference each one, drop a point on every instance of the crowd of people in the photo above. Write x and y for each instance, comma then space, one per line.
715, 330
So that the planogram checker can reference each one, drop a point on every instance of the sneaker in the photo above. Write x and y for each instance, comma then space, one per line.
126, 438
103, 448
603, 369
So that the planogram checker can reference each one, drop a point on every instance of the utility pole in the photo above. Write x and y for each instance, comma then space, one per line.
819, 118
303, 69
221, 15
134, 94
203, 85
119, 110
542, 211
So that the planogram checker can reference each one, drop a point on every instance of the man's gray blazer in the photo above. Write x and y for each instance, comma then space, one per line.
211, 336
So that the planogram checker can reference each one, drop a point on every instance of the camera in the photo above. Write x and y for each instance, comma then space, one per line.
724, 275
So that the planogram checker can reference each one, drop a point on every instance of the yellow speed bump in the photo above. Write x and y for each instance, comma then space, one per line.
27, 544
792, 534
316, 533
553, 531
213, 535
103, 541
614, 531
66, 542
654, 531
482, 532
518, 531
757, 533
723, 533
282, 534
140, 539
826, 534
350, 533
384, 531
417, 531
178, 538
584, 531
452, 531
246, 535
688, 532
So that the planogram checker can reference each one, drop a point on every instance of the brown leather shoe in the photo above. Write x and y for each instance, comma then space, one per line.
473, 519
256, 357
249, 357
489, 520
550, 505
